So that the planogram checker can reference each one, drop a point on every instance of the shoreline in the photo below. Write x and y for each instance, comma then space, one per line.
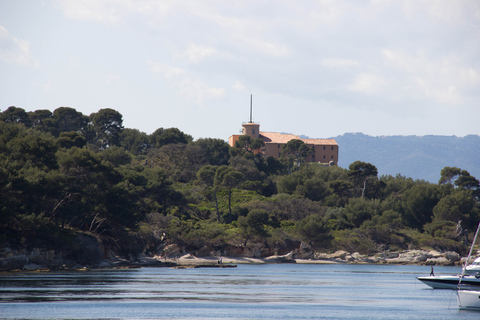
408, 257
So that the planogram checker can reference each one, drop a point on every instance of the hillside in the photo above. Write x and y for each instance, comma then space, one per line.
76, 190
418, 157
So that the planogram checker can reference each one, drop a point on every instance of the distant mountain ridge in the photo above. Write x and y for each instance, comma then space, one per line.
417, 157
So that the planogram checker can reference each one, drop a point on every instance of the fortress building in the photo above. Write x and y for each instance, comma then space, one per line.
325, 150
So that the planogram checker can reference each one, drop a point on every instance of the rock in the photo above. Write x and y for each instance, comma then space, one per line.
105, 264
440, 261
356, 256
172, 250
420, 258
281, 259
399, 260
452, 256
392, 255
378, 258
434, 254
32, 267
341, 254
349, 258
14, 262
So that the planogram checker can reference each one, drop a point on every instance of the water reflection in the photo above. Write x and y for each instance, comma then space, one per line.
64, 286
246, 292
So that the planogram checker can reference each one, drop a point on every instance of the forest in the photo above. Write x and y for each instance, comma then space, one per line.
63, 173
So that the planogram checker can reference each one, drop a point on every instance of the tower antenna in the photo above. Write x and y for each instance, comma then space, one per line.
251, 109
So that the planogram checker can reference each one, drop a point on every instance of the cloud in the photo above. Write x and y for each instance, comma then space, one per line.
196, 53
188, 86
238, 86
167, 71
434, 77
378, 54
113, 77
114, 11
368, 84
106, 11
16, 51
340, 63
46, 86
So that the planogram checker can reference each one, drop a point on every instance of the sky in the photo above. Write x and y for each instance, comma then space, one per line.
315, 68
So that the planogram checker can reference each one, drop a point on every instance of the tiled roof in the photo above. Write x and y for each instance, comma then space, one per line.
275, 137
328, 142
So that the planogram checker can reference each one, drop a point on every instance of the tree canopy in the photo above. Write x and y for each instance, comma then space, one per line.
63, 171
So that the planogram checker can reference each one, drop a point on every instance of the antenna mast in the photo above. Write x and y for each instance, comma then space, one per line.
251, 109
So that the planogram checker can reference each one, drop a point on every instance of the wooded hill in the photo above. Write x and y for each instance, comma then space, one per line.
63, 173
417, 157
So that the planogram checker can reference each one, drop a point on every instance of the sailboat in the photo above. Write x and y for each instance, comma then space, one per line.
467, 297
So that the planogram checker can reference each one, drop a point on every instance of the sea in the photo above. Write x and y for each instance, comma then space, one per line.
249, 291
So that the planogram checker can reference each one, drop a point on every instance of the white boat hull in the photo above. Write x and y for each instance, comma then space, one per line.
468, 299
449, 282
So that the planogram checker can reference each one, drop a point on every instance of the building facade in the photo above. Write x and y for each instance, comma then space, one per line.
325, 150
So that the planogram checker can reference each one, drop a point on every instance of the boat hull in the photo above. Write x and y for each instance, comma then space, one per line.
449, 282
468, 299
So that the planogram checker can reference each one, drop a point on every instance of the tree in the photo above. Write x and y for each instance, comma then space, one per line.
253, 224
360, 172
449, 175
107, 125
207, 176
43, 120
418, 203
273, 166
163, 137
460, 179
253, 178
180, 161
314, 229
215, 150
22, 147
459, 205
116, 156
71, 139
229, 178
159, 194
342, 188
27, 162
134, 141
359, 210
84, 184
68, 119
15, 115
246, 145
295, 152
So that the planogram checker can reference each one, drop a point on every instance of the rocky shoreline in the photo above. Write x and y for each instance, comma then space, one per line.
46, 260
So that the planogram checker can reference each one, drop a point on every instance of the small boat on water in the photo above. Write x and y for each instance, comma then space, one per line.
451, 281
468, 297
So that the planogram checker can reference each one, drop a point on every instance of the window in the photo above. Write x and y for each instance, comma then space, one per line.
332, 148
332, 158
323, 147
324, 157
253, 131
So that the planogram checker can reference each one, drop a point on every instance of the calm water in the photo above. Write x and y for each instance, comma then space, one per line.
276, 291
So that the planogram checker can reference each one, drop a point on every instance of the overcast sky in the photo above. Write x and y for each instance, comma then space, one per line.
315, 68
